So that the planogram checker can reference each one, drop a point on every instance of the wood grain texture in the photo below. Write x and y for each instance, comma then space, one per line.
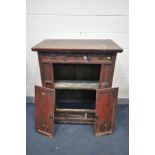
75, 45
81, 57
77, 116
106, 100
44, 110
68, 84
47, 76
75, 110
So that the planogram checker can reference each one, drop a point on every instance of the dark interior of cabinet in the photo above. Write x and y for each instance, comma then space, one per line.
76, 98
85, 72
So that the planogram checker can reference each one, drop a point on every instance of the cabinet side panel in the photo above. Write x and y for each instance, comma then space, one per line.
112, 70
46, 72
106, 72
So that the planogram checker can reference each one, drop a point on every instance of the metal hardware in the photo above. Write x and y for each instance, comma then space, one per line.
85, 57
43, 93
108, 58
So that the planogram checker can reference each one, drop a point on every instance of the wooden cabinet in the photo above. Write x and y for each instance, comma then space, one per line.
76, 87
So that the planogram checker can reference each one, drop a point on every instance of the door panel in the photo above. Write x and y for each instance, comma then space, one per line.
44, 110
106, 100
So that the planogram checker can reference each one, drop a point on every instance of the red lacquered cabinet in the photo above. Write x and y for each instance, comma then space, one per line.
76, 86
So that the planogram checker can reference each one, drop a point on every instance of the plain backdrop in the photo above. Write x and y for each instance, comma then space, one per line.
77, 19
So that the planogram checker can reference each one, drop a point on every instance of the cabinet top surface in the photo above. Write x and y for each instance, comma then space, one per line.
74, 45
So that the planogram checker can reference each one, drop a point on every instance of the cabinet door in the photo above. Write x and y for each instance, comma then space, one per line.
44, 110
106, 100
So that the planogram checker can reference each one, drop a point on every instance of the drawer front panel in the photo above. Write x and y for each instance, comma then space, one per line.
76, 58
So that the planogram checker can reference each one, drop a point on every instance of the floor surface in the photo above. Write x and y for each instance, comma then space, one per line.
79, 139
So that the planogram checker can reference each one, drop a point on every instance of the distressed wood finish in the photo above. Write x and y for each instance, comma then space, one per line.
82, 57
68, 84
78, 71
106, 100
75, 45
106, 73
44, 110
47, 76
80, 116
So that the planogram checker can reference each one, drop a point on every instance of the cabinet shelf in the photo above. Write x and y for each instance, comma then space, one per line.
75, 110
70, 84
79, 116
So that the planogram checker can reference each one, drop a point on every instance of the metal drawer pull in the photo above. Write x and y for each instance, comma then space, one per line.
43, 93
85, 57
108, 58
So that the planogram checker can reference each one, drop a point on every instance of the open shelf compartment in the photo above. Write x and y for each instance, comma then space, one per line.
76, 86
76, 76
75, 106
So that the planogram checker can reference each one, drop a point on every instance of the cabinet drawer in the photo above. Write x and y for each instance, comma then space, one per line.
71, 58
100, 58
77, 58
52, 58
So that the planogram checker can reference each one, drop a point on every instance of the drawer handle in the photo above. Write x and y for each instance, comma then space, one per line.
43, 94
85, 57
108, 58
